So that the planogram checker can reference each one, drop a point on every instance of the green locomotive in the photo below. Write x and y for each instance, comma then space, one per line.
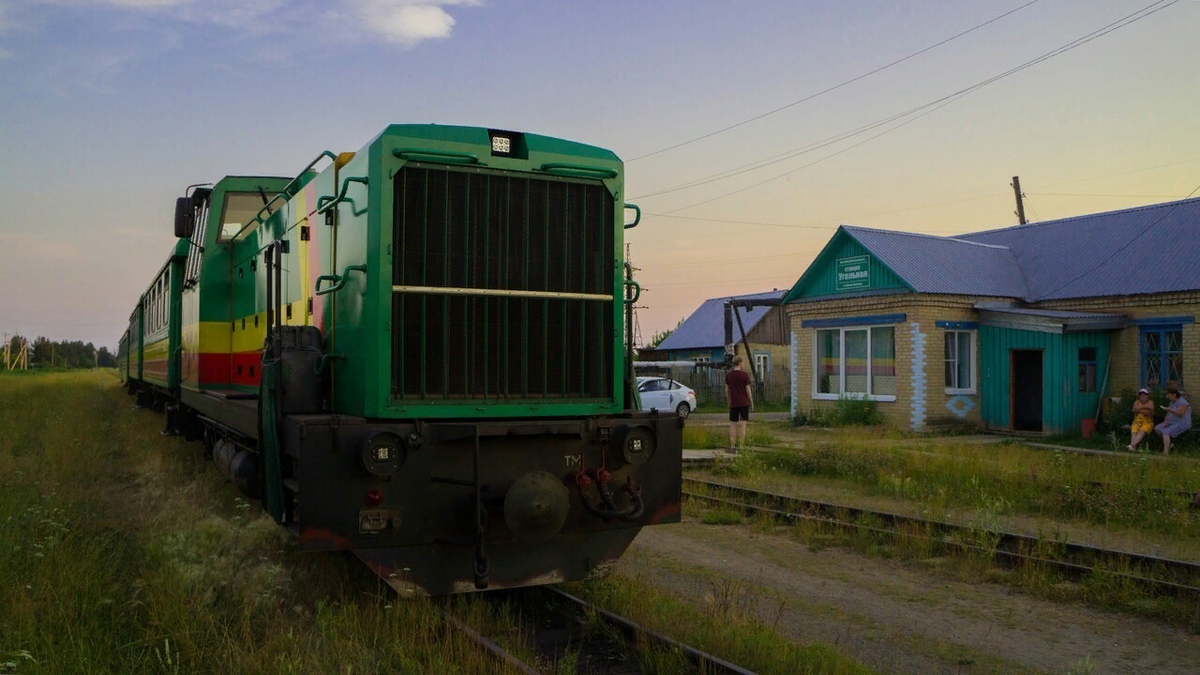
417, 353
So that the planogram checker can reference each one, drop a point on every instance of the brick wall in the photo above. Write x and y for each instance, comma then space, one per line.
922, 403
1126, 373
921, 399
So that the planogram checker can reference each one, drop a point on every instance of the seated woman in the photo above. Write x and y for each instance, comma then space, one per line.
1143, 418
1179, 418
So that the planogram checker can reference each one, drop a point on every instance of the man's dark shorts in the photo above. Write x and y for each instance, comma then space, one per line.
740, 413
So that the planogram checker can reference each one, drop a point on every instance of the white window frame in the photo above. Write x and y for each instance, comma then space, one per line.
702, 359
762, 363
822, 396
974, 388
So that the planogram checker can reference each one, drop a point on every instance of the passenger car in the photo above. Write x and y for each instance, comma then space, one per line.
666, 394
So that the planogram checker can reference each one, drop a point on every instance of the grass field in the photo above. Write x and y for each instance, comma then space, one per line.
1002, 478
130, 554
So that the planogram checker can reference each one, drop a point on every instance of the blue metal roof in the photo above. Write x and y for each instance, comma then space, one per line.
932, 264
705, 328
1148, 249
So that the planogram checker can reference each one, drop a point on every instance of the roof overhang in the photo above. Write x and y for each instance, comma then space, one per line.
1050, 321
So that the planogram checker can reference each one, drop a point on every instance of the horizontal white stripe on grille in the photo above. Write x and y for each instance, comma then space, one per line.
499, 292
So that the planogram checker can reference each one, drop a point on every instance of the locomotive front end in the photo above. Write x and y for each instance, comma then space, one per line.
478, 432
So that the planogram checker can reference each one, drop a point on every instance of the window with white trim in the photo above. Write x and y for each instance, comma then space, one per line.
702, 359
960, 361
856, 361
762, 364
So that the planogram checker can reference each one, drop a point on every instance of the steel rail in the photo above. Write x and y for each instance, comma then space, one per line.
1008, 547
569, 605
1145, 490
703, 661
496, 650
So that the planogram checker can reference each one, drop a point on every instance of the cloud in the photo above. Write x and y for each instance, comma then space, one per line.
241, 14
408, 22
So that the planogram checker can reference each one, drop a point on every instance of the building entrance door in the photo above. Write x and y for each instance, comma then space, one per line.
1025, 389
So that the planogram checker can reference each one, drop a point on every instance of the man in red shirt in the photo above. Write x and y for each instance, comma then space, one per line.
737, 392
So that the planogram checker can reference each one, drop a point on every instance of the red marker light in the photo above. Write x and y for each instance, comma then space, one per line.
374, 497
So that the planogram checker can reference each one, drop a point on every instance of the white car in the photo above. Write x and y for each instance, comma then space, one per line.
660, 393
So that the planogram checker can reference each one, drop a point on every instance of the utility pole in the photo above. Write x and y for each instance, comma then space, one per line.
637, 327
1016, 186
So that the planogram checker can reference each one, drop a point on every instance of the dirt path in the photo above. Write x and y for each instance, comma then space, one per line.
898, 619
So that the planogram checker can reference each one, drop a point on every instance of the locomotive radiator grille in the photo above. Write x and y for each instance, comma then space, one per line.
503, 286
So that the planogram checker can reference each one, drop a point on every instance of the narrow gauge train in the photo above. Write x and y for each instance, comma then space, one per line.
416, 353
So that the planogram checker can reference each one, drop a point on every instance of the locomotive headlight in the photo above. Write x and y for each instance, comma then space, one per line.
636, 444
383, 453
501, 145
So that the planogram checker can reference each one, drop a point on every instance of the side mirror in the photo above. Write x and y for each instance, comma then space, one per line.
184, 217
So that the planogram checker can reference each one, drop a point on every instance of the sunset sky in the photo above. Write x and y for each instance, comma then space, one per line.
109, 108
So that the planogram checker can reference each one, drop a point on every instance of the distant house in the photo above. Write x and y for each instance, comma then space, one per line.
701, 337
1022, 328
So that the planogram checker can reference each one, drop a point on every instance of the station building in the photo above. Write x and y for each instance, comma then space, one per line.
1024, 328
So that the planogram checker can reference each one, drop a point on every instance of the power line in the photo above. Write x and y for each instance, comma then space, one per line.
1079, 194
725, 281
833, 88
1122, 173
731, 261
834, 222
923, 110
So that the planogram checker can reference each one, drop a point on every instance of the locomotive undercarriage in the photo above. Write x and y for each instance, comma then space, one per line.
450, 507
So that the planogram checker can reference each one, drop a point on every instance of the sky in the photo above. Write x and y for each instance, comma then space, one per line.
110, 108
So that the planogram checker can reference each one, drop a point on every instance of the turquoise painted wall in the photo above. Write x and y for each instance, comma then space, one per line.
821, 277
1063, 405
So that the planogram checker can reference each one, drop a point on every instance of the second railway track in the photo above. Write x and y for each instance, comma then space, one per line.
1160, 576
558, 624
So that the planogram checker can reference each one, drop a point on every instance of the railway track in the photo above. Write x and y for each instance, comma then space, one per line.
603, 643
1160, 576
1193, 496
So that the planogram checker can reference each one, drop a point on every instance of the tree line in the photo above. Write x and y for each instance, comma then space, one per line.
46, 353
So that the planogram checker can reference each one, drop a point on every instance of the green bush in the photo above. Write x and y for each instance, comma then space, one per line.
847, 411
723, 516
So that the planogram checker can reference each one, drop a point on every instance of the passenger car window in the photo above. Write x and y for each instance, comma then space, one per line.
652, 385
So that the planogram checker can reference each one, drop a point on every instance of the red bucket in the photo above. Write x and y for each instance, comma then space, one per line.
1089, 426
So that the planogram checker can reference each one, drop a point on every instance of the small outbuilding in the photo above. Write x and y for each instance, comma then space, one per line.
701, 336
1023, 328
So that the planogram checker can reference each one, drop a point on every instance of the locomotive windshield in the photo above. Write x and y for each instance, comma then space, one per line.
239, 209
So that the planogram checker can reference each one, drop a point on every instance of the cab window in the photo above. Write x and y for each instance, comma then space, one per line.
239, 209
